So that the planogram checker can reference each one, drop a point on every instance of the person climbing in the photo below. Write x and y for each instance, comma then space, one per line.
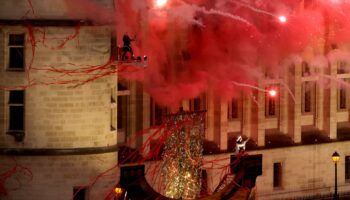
127, 46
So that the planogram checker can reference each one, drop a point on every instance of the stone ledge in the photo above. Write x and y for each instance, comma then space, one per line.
56, 151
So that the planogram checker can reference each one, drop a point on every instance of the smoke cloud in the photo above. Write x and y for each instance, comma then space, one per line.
195, 46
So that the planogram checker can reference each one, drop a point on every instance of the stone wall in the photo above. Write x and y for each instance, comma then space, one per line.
61, 115
52, 9
55, 177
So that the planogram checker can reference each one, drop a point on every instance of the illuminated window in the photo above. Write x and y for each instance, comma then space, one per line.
233, 108
305, 69
277, 175
157, 113
16, 52
16, 110
271, 102
342, 99
308, 96
80, 193
347, 168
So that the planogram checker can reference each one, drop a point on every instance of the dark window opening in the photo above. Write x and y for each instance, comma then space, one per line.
16, 110
16, 118
305, 69
16, 39
16, 51
341, 69
16, 97
16, 58
308, 95
307, 101
342, 98
347, 168
130, 174
79, 193
122, 112
197, 104
272, 107
277, 174
157, 113
233, 109
123, 85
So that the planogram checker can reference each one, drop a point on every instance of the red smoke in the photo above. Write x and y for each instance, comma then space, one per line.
198, 45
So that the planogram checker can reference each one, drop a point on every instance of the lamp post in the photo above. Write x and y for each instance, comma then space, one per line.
335, 158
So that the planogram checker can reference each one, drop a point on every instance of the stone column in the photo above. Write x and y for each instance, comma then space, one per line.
210, 118
297, 105
261, 116
224, 126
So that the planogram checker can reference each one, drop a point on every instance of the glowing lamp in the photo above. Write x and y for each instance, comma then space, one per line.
160, 3
335, 157
272, 92
282, 19
118, 191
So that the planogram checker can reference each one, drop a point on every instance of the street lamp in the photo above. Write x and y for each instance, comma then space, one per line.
335, 158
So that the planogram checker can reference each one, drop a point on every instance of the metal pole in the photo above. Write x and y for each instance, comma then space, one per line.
335, 182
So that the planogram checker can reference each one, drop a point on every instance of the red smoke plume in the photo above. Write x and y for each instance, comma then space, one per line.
198, 45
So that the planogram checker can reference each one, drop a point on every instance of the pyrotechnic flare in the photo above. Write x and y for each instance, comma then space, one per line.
272, 92
282, 19
160, 3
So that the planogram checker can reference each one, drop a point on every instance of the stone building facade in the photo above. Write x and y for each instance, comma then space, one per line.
296, 132
58, 137
68, 136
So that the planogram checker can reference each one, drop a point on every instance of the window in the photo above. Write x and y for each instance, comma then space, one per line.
198, 103
123, 105
342, 99
233, 109
277, 174
16, 52
195, 104
342, 68
130, 174
16, 110
308, 88
271, 102
270, 74
347, 168
305, 69
80, 193
113, 108
157, 113
123, 112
